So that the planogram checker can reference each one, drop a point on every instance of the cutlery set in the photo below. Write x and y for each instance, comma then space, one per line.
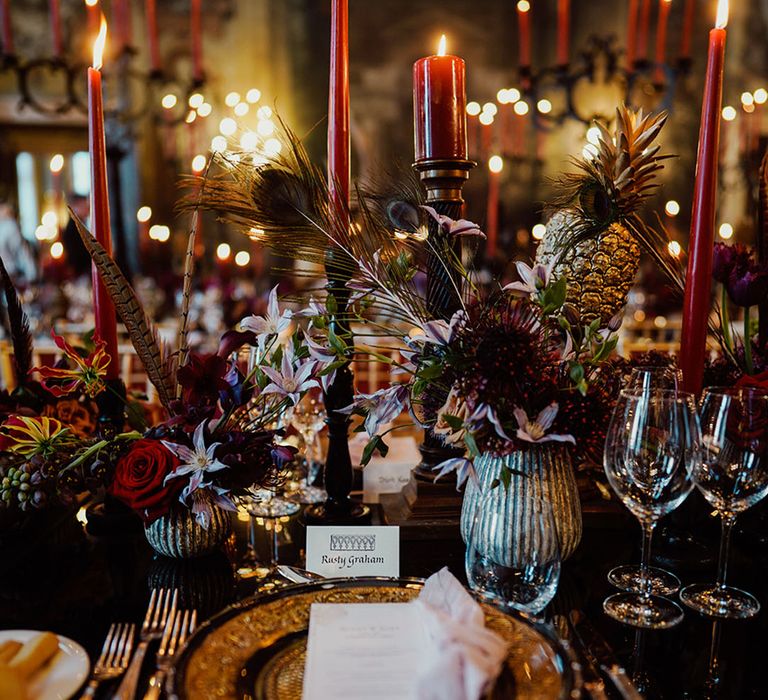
163, 622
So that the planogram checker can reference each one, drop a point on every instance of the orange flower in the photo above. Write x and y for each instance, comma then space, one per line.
88, 373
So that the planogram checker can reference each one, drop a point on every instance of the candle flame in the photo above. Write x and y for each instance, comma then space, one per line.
722, 14
91, 3
441, 46
98, 45
523, 6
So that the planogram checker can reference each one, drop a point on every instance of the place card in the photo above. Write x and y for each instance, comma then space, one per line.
342, 551
366, 650
392, 473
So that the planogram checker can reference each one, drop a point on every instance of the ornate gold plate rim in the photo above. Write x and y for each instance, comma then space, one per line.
217, 661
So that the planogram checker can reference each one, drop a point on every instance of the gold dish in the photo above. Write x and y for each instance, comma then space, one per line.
255, 649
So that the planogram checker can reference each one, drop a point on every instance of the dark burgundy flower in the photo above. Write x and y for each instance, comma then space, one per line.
745, 280
748, 286
723, 261
201, 379
234, 340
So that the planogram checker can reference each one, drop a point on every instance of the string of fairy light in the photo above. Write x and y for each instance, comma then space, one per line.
259, 143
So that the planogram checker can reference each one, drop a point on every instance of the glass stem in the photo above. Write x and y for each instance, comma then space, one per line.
725, 545
645, 561
748, 344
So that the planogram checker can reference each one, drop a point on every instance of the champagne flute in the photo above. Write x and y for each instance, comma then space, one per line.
308, 417
733, 476
653, 445
629, 577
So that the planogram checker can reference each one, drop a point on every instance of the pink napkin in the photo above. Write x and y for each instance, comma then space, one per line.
467, 657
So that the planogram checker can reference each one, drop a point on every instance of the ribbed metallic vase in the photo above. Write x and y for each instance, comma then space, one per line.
545, 472
178, 535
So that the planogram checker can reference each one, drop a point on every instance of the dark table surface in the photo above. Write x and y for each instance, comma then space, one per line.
62, 579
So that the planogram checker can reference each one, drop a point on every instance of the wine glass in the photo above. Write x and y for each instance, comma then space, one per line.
264, 503
628, 577
514, 566
308, 417
652, 447
733, 476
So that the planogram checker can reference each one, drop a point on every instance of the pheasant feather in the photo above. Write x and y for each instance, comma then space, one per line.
18, 326
140, 329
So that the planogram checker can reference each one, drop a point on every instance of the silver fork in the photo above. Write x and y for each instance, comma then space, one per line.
175, 636
114, 658
161, 608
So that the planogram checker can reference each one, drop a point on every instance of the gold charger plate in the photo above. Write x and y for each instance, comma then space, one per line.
255, 649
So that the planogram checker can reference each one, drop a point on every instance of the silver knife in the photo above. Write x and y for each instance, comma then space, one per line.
592, 681
597, 649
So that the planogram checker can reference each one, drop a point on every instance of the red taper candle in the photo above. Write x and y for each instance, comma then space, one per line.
338, 108
58, 44
698, 282
7, 27
121, 20
104, 310
196, 32
563, 32
661, 39
643, 30
439, 107
689, 15
632, 32
524, 32
150, 10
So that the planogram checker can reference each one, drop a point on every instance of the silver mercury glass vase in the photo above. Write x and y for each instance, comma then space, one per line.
180, 536
541, 472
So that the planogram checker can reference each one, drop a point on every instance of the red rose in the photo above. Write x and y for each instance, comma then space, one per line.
139, 476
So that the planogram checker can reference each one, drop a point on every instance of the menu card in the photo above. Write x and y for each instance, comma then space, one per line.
369, 650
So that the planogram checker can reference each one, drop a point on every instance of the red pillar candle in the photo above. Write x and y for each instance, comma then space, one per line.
643, 30
94, 13
632, 32
689, 15
58, 45
150, 9
439, 107
563, 31
524, 29
196, 32
104, 310
698, 281
495, 166
661, 39
7, 28
338, 108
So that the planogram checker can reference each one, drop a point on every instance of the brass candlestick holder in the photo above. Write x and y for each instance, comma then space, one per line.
425, 508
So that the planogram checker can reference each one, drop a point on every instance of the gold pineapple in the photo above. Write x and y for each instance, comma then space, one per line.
594, 237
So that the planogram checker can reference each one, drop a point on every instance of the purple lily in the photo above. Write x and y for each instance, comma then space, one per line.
440, 332
314, 309
323, 355
532, 279
379, 408
463, 467
289, 381
461, 227
273, 323
197, 460
536, 430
